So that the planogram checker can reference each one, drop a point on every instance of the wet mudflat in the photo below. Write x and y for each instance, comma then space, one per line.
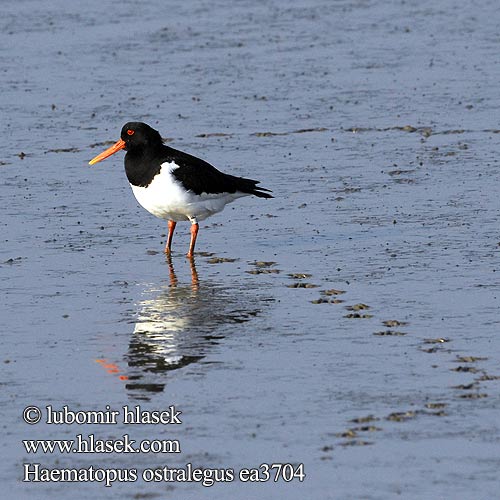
349, 324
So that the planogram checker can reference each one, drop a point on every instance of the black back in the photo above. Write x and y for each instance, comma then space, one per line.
146, 152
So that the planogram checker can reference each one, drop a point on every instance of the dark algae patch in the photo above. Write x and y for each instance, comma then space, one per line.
389, 333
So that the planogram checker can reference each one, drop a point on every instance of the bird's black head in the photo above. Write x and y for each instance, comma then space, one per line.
138, 135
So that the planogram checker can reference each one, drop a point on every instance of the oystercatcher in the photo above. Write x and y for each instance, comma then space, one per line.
173, 185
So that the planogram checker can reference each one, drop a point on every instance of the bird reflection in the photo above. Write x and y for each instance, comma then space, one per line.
195, 282
175, 326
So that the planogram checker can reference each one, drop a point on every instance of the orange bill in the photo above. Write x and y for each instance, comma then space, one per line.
110, 151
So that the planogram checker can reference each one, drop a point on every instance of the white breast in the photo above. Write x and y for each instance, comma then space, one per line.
166, 198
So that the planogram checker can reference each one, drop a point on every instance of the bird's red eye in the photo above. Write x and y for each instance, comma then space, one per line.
130, 132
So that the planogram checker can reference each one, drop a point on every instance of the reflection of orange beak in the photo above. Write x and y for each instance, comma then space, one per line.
110, 151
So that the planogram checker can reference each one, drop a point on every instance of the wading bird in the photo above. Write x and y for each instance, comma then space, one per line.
173, 185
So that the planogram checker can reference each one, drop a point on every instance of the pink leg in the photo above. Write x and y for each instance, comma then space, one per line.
194, 234
171, 229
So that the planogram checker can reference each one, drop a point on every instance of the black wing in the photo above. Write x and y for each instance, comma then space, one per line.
200, 177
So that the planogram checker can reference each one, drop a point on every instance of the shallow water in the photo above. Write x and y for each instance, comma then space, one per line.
375, 125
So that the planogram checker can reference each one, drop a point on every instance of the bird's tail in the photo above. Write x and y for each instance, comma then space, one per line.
250, 186
262, 192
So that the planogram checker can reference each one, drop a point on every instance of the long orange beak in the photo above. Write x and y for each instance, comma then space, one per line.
110, 151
